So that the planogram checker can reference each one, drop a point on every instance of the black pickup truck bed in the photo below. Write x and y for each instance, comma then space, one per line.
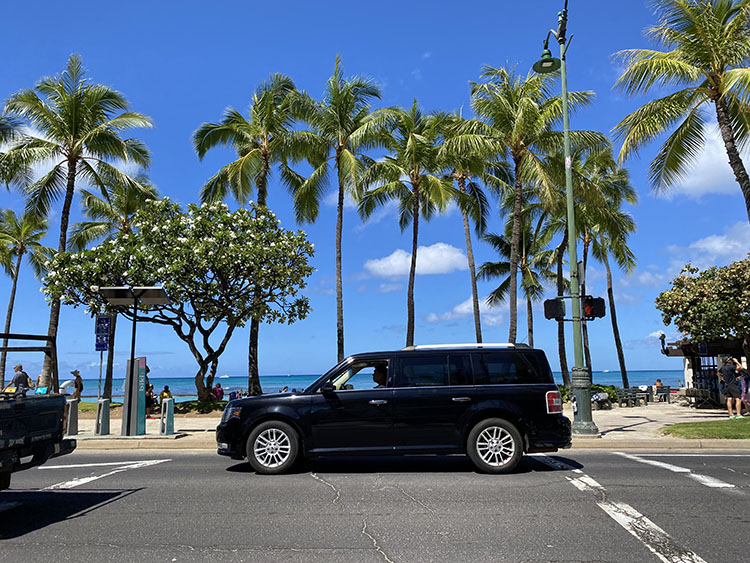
31, 432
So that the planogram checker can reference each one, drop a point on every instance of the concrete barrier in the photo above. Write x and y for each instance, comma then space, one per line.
71, 416
166, 423
101, 428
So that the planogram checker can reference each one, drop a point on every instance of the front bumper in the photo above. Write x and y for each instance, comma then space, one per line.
228, 441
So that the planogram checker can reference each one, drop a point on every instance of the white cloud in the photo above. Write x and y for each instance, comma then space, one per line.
713, 250
440, 258
426, 54
711, 173
390, 287
491, 316
332, 200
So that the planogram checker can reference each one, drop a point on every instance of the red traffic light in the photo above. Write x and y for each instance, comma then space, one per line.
592, 307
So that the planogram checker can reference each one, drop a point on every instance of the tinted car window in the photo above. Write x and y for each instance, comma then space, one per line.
438, 370
493, 368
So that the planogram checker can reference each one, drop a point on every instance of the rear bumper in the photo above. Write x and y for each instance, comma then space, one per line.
11, 461
553, 434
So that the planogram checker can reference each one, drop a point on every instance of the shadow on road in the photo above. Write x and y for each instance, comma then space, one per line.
23, 512
406, 464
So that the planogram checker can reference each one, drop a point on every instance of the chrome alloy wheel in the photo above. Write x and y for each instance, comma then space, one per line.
495, 446
272, 447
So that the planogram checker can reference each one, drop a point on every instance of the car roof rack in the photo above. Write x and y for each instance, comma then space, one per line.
467, 345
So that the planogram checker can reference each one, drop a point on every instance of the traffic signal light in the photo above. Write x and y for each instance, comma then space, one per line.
593, 307
554, 309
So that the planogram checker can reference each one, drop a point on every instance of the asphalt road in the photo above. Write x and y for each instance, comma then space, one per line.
180, 506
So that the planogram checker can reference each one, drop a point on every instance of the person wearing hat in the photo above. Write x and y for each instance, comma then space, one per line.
78, 384
728, 376
21, 381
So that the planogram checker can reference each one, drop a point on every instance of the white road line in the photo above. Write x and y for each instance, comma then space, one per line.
652, 536
694, 455
83, 480
702, 479
79, 465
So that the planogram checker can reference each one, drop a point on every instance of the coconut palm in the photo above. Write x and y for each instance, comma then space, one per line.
534, 263
520, 113
471, 159
705, 51
410, 175
342, 128
261, 142
108, 216
20, 236
75, 129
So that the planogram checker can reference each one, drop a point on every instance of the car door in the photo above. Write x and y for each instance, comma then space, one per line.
356, 420
431, 397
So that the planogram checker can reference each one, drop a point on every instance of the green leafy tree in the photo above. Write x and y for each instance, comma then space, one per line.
411, 175
342, 128
20, 236
219, 268
520, 114
106, 217
262, 142
703, 49
76, 125
711, 304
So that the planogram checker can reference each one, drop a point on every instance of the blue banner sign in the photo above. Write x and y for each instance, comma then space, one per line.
102, 342
102, 325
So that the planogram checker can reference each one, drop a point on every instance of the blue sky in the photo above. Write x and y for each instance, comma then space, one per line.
183, 63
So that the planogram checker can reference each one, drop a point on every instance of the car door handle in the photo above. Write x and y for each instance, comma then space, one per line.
461, 399
378, 402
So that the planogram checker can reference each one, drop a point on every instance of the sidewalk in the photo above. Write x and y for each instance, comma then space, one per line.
620, 428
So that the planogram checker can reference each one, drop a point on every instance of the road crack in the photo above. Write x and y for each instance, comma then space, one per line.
417, 501
375, 542
333, 488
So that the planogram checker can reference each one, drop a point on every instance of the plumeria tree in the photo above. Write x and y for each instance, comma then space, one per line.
219, 268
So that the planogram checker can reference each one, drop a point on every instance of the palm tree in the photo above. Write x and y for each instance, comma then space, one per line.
20, 236
342, 127
469, 159
261, 142
612, 241
705, 52
534, 264
108, 216
76, 128
409, 174
520, 114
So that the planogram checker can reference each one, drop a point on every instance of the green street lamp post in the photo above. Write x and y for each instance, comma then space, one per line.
581, 376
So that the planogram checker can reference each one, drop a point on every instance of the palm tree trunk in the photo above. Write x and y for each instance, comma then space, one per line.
339, 288
472, 266
584, 325
49, 370
412, 270
107, 391
8, 316
561, 324
253, 375
530, 320
514, 244
615, 328
735, 161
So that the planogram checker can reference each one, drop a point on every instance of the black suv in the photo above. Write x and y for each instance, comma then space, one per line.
491, 402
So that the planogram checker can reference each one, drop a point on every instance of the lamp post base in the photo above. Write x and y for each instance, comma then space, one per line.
583, 425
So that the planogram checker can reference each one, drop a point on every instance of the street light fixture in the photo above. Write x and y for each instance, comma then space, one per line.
581, 377
126, 296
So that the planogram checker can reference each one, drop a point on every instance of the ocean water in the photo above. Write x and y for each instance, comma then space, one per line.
183, 388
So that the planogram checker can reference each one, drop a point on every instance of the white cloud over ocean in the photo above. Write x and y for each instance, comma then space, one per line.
491, 316
439, 258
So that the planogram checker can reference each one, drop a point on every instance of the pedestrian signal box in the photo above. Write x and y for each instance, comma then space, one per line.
593, 307
554, 309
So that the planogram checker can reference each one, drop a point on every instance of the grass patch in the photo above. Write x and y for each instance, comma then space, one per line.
729, 429
198, 407
85, 406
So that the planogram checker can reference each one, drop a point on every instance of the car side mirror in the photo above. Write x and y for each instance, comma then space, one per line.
327, 388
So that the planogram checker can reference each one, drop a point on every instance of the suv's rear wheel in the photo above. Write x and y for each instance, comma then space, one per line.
495, 446
272, 447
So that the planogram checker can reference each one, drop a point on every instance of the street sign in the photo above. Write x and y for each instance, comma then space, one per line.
102, 342
102, 324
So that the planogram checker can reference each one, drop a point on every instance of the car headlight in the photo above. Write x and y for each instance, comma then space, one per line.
230, 411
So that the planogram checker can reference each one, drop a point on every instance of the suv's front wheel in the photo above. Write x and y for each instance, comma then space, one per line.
495, 446
272, 447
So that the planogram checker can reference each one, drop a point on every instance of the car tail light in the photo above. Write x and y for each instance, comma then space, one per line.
554, 402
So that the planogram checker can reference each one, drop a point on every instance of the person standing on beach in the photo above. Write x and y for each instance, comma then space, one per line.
78, 389
728, 374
